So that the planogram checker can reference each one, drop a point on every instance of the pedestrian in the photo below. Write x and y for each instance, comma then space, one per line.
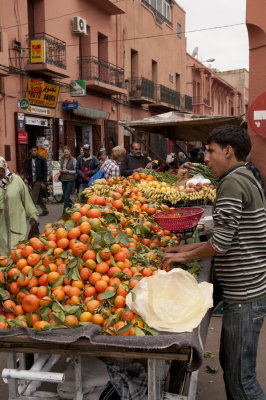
102, 157
134, 161
68, 166
111, 167
16, 206
87, 165
238, 244
35, 175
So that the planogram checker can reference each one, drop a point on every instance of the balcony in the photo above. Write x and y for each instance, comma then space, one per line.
47, 56
110, 7
102, 76
141, 90
166, 98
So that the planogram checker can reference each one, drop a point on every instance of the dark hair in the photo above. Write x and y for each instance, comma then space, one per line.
34, 147
234, 136
66, 148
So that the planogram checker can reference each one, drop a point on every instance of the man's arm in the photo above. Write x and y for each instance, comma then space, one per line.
78, 167
124, 168
44, 171
203, 251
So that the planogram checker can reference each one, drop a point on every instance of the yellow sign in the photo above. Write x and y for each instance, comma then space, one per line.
37, 51
42, 94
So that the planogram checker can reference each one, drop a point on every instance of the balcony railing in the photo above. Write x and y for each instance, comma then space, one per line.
142, 88
169, 96
54, 49
188, 103
94, 69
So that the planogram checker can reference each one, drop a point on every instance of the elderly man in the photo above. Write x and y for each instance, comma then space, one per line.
134, 161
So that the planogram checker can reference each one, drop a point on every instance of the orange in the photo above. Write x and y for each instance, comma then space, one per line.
71, 320
101, 286
90, 263
89, 291
102, 268
92, 305
86, 316
61, 233
97, 319
58, 294
94, 213
30, 303
76, 216
74, 233
63, 243
27, 251
85, 227
105, 254
95, 276
40, 325
115, 248
20, 264
120, 301
85, 273
52, 277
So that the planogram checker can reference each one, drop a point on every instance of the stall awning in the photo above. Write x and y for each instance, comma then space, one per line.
91, 113
181, 126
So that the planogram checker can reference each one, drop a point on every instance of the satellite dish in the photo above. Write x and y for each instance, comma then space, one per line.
195, 52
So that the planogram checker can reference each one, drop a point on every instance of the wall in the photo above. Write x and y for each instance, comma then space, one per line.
256, 25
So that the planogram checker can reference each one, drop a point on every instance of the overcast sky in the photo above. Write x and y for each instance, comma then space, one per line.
229, 46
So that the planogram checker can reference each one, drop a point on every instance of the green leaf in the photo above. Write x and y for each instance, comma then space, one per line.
69, 224
3, 295
58, 281
64, 254
123, 238
151, 331
58, 318
139, 332
75, 274
124, 328
71, 310
107, 294
98, 257
2, 318
44, 241
136, 278
30, 274
210, 369
110, 319
208, 354
109, 238
22, 277
118, 274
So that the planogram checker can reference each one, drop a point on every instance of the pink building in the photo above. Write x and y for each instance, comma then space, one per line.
125, 60
256, 25
212, 95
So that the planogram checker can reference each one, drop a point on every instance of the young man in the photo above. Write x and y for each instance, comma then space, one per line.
238, 245
87, 165
134, 161
36, 175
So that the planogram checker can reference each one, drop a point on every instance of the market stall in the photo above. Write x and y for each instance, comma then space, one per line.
52, 280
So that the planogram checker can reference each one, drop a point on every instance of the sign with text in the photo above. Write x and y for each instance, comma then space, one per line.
42, 94
57, 185
22, 137
71, 105
37, 51
77, 88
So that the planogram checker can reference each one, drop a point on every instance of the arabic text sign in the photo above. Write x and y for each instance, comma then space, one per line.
42, 94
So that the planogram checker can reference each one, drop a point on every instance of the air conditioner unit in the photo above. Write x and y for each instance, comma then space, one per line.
79, 26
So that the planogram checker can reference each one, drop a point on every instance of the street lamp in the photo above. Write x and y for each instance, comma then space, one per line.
209, 60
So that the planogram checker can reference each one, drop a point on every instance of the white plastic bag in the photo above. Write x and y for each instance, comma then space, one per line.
171, 301
197, 179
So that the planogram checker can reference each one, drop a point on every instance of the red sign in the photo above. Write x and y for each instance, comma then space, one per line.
257, 115
22, 137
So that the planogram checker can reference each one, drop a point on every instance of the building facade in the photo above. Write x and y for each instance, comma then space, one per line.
211, 94
69, 74
239, 79
256, 25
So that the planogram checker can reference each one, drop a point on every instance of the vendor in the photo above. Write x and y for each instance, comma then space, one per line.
238, 246
134, 161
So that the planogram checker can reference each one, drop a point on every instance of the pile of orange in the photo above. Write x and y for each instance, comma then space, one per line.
80, 270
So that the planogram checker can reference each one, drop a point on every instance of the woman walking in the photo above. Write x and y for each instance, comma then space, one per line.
16, 206
67, 175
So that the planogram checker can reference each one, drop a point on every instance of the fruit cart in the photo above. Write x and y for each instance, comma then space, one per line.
173, 360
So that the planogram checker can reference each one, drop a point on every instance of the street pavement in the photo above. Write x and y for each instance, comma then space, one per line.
210, 385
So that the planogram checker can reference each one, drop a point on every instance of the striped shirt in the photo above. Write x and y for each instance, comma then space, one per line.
239, 236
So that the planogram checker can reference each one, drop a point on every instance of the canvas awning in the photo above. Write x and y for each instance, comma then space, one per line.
91, 113
181, 126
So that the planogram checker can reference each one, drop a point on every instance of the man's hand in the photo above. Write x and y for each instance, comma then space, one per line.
33, 222
149, 165
178, 258
26, 181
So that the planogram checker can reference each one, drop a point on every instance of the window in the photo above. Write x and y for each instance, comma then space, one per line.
179, 30
161, 6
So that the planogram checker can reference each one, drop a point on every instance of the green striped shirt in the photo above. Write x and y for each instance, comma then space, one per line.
239, 236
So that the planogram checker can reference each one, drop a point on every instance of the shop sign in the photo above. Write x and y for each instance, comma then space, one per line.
22, 137
77, 88
23, 104
71, 105
39, 110
42, 93
257, 115
57, 185
37, 51
36, 121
